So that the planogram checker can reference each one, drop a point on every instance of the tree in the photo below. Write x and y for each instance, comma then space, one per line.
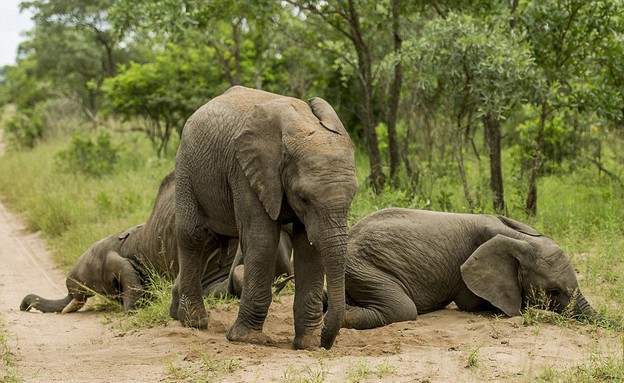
564, 36
73, 46
361, 26
165, 91
482, 70
236, 31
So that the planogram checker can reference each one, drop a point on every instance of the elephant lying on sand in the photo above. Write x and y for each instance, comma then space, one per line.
402, 262
118, 265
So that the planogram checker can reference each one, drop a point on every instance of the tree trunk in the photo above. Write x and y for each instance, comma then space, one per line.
460, 164
365, 77
493, 138
236, 51
377, 177
531, 203
412, 176
395, 95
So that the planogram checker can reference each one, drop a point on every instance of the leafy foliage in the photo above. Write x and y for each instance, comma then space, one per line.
23, 130
164, 91
94, 158
416, 83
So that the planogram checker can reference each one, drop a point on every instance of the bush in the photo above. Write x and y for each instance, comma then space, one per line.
93, 158
23, 130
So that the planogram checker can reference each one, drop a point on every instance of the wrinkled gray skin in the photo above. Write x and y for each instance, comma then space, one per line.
401, 262
117, 266
248, 162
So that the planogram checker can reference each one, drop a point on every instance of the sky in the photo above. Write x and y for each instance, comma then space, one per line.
12, 24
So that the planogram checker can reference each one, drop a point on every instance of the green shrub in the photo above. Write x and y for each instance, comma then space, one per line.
94, 158
23, 130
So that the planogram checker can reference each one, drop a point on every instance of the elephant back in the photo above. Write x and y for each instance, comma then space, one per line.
158, 245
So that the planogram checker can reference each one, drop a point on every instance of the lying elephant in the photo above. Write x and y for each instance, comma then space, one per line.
401, 262
118, 265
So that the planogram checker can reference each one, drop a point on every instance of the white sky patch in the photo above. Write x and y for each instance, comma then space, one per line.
12, 24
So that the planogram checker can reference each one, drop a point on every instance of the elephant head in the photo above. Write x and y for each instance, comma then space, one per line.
519, 264
100, 270
299, 160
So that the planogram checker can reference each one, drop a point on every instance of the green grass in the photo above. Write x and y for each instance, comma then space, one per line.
73, 211
599, 368
315, 373
384, 369
358, 372
473, 358
203, 369
8, 367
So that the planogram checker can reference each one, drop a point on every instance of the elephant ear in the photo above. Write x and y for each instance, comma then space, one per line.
327, 116
519, 227
258, 150
491, 272
127, 233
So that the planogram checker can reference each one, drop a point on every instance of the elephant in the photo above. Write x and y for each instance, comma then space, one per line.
248, 162
402, 262
119, 265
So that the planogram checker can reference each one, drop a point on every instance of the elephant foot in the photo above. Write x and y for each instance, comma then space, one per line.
183, 310
240, 333
190, 315
195, 318
310, 340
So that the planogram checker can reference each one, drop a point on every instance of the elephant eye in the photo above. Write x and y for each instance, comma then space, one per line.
554, 292
304, 200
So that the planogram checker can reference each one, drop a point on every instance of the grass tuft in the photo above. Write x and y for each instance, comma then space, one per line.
201, 369
358, 372
315, 373
599, 368
8, 367
473, 358
385, 368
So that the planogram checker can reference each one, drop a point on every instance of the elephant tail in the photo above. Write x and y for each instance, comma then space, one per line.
32, 301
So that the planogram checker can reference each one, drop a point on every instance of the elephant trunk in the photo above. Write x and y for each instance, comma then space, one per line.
333, 250
583, 309
33, 301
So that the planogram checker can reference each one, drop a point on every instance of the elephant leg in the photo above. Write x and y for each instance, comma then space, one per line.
238, 278
283, 265
187, 299
217, 289
309, 278
259, 248
378, 303
466, 300
235, 287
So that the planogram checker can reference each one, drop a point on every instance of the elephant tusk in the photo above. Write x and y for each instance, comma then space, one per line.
72, 306
311, 244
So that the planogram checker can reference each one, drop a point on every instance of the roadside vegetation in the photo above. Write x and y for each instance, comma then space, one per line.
8, 370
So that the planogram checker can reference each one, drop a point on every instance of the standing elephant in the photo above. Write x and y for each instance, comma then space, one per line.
118, 265
402, 262
248, 162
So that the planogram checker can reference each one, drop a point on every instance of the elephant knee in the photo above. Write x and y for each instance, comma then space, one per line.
362, 318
